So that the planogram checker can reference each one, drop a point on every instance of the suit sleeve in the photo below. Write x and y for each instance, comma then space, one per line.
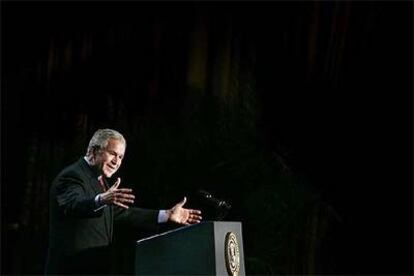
138, 218
72, 199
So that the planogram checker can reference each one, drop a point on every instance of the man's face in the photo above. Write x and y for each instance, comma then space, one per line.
109, 160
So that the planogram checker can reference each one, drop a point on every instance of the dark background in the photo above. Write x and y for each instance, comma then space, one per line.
297, 113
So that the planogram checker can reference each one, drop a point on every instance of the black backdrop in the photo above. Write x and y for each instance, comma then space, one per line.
299, 114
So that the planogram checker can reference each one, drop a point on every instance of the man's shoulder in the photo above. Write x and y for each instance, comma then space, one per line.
74, 166
76, 169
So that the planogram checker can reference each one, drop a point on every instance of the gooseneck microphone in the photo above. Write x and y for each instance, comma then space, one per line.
209, 198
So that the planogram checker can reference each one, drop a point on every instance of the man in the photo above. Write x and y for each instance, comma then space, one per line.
83, 209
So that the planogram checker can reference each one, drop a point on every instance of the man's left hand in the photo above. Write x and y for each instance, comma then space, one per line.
181, 215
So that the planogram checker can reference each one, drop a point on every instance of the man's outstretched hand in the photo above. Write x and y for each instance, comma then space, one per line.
118, 196
181, 215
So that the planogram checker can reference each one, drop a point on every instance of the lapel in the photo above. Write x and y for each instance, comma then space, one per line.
97, 189
92, 176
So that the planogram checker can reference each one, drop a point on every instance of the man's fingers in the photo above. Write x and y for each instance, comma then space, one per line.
181, 204
124, 190
192, 221
195, 214
117, 183
195, 217
125, 200
118, 194
121, 205
198, 212
122, 200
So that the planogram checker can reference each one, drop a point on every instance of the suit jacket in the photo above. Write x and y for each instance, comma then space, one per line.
79, 235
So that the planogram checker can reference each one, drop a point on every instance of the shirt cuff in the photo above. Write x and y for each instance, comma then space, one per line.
98, 203
162, 216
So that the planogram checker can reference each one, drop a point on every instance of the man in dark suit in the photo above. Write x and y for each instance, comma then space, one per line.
83, 208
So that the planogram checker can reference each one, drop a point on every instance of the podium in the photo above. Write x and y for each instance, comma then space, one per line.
207, 248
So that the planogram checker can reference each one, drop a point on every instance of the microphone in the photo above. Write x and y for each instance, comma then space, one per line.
208, 197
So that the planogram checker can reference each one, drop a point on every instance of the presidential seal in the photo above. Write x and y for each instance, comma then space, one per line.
232, 254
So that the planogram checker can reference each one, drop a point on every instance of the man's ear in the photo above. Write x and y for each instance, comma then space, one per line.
95, 151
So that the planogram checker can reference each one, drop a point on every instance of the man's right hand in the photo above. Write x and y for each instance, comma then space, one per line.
120, 197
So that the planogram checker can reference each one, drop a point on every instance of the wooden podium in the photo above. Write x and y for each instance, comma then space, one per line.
207, 248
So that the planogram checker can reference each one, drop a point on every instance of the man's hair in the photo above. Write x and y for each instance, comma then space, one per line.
101, 137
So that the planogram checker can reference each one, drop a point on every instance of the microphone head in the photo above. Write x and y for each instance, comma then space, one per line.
212, 207
213, 200
204, 194
225, 205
